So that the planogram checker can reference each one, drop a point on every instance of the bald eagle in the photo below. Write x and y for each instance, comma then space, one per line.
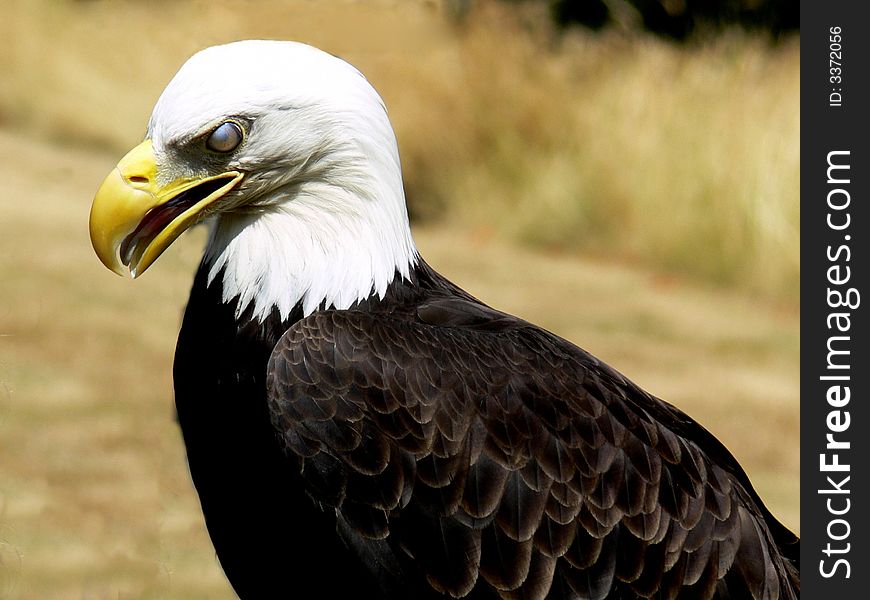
358, 426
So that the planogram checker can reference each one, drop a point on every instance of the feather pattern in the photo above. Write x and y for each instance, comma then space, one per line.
500, 457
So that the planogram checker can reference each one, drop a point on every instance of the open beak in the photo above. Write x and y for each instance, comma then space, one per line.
134, 218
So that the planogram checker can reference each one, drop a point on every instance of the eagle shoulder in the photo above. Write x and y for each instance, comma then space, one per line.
487, 453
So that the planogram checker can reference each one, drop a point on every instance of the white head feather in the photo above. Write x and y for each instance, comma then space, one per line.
321, 216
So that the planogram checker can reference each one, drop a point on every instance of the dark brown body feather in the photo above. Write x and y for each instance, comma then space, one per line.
425, 445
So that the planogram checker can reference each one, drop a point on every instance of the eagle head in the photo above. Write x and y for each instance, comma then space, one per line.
288, 152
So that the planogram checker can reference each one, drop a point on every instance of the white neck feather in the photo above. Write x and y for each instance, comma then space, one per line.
324, 246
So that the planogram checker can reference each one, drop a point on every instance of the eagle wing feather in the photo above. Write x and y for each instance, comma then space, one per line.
489, 454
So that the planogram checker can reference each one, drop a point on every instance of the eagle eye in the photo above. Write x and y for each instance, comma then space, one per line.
226, 137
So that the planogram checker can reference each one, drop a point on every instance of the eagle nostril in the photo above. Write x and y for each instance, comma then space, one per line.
138, 179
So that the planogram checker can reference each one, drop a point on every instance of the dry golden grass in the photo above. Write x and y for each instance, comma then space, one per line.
95, 500
94, 495
686, 160
666, 160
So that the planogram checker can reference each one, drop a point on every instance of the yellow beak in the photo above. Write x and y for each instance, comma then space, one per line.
134, 219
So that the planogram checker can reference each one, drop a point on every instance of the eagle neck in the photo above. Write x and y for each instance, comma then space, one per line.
324, 248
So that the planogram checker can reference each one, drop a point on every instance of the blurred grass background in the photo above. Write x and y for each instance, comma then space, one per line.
637, 196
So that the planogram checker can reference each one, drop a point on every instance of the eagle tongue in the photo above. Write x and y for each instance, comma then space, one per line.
159, 217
